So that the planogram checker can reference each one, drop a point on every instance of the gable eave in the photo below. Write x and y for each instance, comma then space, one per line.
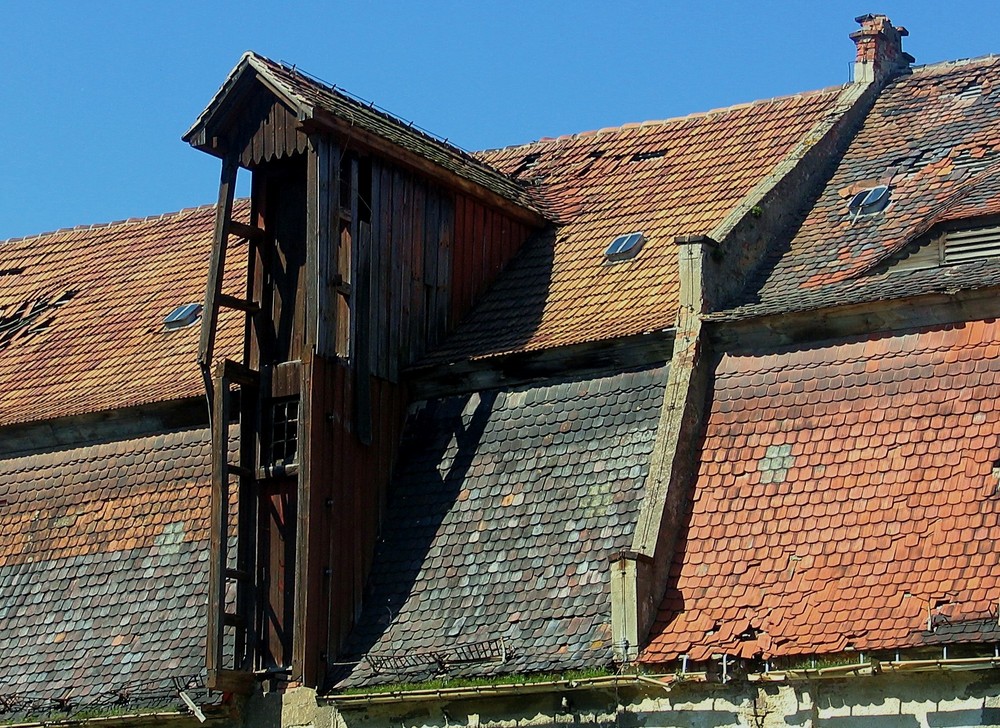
249, 67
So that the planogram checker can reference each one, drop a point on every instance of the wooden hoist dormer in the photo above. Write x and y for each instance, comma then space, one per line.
367, 240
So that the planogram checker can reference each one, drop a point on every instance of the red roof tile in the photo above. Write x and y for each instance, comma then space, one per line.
934, 138
104, 345
846, 504
668, 178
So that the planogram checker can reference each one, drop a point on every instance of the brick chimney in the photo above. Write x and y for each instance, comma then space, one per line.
880, 49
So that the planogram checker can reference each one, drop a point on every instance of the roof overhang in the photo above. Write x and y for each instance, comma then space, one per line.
326, 109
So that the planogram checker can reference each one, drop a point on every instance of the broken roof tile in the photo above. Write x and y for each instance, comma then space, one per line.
878, 556
97, 340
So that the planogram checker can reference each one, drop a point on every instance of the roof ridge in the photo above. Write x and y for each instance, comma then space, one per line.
465, 154
669, 120
955, 62
115, 223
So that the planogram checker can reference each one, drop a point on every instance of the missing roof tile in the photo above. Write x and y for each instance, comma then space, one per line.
30, 317
971, 90
529, 162
975, 163
653, 154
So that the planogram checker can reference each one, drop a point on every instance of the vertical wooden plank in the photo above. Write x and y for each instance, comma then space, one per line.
418, 318
345, 253
480, 265
315, 232
374, 261
348, 531
267, 133
446, 265
471, 260
496, 247
219, 509
362, 318
432, 243
385, 273
459, 250
399, 202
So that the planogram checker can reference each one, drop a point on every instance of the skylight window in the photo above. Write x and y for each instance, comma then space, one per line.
624, 247
870, 201
182, 316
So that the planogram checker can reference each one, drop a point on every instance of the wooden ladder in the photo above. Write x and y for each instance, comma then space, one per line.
231, 507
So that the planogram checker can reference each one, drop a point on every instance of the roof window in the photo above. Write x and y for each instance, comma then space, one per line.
182, 316
624, 247
870, 201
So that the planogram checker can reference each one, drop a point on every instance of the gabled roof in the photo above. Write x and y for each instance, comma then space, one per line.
664, 179
934, 138
505, 507
847, 496
81, 315
316, 102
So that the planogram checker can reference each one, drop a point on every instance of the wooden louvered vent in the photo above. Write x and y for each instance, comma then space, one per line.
971, 244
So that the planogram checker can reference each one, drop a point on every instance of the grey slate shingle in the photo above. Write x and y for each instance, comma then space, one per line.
505, 508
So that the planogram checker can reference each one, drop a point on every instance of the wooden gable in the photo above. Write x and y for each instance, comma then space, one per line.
252, 119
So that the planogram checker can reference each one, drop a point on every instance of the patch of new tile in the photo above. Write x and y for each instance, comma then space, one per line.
505, 509
847, 499
933, 136
103, 572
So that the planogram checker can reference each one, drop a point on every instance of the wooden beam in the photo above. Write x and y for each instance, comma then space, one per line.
216, 269
247, 232
218, 524
231, 681
240, 304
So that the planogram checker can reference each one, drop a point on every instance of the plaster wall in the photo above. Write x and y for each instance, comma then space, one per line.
924, 700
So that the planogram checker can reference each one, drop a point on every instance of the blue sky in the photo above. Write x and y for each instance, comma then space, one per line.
95, 96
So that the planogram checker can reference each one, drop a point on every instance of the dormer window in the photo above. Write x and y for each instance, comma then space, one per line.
868, 202
958, 245
970, 244
624, 247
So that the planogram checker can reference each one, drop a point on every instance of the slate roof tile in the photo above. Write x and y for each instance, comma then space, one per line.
481, 544
104, 347
859, 560
919, 138
102, 567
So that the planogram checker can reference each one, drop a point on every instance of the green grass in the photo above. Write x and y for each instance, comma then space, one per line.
460, 682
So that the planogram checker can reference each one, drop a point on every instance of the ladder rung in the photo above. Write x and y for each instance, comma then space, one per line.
238, 373
232, 620
237, 575
251, 233
239, 470
240, 304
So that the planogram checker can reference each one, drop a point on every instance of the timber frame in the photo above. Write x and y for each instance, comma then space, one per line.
367, 241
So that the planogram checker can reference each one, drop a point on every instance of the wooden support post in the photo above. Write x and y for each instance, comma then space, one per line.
213, 289
219, 523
